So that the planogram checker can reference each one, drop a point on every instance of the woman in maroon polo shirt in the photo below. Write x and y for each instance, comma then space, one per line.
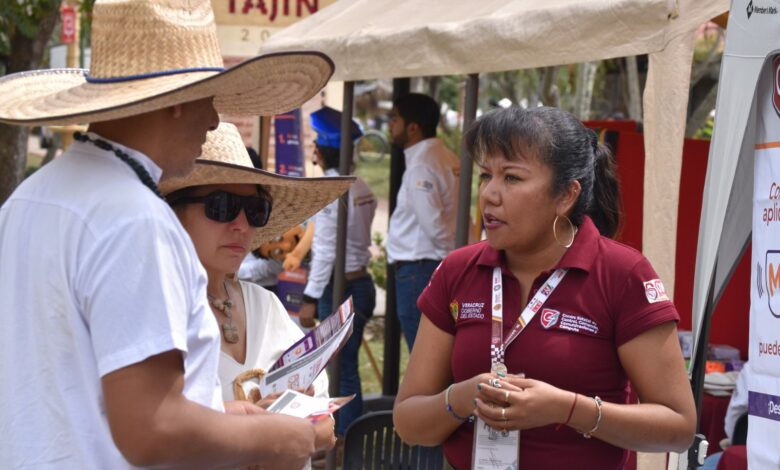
541, 327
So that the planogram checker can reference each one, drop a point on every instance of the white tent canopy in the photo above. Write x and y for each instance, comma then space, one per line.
370, 39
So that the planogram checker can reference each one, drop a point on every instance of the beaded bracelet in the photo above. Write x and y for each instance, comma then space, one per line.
449, 406
589, 434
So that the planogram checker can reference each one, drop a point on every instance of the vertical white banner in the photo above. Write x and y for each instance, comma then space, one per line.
764, 364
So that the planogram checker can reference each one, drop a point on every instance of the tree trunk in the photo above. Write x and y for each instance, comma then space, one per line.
634, 95
25, 54
548, 86
585, 81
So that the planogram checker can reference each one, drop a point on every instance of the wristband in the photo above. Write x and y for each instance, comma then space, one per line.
571, 412
449, 406
589, 434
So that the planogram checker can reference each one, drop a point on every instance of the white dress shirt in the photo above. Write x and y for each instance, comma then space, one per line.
97, 274
423, 223
362, 206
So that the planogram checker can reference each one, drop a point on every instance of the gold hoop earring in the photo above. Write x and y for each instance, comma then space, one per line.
573, 231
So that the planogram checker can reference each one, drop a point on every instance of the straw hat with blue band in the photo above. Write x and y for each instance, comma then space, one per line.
225, 161
326, 122
148, 55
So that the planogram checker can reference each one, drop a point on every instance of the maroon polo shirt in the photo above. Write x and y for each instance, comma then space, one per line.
610, 295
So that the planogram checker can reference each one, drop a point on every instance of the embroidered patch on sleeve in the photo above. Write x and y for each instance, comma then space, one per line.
424, 185
655, 291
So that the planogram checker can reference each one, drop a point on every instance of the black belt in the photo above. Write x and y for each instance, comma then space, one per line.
398, 264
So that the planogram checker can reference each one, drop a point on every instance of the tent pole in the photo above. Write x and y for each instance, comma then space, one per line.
466, 167
339, 277
391, 368
699, 367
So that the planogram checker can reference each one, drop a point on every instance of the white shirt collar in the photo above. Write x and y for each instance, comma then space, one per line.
415, 153
147, 163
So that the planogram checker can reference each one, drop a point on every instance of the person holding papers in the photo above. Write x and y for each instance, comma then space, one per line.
530, 339
229, 208
318, 294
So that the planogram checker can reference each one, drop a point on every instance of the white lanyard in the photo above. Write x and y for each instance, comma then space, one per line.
498, 344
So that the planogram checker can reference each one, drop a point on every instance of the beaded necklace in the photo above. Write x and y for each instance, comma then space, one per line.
229, 330
139, 170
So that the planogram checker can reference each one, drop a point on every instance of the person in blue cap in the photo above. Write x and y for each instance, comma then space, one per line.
318, 294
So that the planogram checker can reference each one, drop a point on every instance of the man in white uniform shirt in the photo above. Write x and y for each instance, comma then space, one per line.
319, 289
422, 227
109, 351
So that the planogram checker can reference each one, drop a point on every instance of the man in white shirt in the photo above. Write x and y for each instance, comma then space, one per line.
422, 228
109, 351
319, 288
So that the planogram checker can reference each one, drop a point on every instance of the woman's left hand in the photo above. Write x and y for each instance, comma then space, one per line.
520, 403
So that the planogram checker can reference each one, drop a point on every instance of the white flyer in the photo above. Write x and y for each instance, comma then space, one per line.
300, 373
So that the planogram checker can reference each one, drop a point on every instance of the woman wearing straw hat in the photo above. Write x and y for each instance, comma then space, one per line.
229, 208
110, 351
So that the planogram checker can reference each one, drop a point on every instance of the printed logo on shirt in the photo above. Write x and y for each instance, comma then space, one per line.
655, 291
424, 185
454, 310
549, 318
577, 324
471, 311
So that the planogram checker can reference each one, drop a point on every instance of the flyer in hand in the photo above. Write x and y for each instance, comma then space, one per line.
302, 362
297, 404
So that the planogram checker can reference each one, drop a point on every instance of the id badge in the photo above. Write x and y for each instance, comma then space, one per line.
494, 449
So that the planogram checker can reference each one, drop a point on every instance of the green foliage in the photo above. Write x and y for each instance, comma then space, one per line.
378, 265
705, 132
376, 174
451, 138
22, 17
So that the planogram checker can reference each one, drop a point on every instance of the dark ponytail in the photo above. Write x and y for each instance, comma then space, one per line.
605, 210
562, 143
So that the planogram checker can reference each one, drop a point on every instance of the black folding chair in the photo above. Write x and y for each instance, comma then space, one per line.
371, 443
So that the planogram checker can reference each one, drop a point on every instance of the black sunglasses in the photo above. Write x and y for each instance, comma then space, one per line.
222, 206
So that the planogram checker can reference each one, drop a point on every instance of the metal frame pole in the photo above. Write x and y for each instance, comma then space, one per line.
391, 367
339, 266
466, 166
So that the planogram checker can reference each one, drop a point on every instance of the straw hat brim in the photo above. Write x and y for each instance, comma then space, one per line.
265, 85
294, 199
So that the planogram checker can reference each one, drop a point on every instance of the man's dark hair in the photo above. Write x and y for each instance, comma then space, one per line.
330, 156
419, 109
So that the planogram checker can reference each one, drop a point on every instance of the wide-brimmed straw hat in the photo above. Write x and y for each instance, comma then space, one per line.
225, 161
147, 55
